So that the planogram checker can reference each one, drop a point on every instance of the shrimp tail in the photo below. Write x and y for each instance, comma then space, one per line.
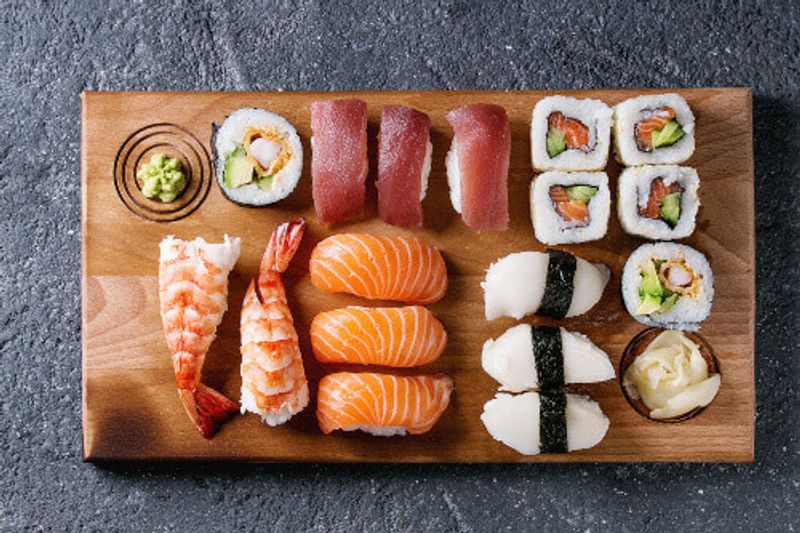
207, 408
282, 245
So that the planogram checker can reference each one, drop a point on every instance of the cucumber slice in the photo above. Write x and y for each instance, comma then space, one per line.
668, 135
556, 142
671, 209
582, 193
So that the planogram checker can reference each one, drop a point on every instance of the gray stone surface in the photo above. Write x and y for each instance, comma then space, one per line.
50, 52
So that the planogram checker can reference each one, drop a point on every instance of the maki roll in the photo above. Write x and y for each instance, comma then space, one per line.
259, 157
668, 286
551, 283
529, 357
653, 130
552, 422
658, 202
570, 134
569, 207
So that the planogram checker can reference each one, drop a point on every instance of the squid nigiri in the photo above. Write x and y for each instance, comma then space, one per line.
382, 404
193, 290
389, 336
274, 382
405, 269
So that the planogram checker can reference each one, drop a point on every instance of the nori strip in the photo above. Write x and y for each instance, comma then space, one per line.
548, 356
559, 284
553, 422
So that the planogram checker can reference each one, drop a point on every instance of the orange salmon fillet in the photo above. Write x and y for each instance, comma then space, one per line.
576, 134
389, 336
644, 128
570, 210
349, 401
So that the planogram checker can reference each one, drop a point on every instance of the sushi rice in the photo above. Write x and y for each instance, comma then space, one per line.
634, 191
230, 135
550, 227
628, 113
593, 114
690, 308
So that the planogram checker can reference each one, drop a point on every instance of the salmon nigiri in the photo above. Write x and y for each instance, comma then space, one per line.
405, 269
382, 404
274, 382
338, 159
477, 165
193, 290
389, 336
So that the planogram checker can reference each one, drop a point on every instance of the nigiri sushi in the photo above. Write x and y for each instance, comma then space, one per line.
539, 357
382, 404
477, 165
274, 382
553, 422
404, 164
193, 291
551, 283
405, 269
389, 336
338, 159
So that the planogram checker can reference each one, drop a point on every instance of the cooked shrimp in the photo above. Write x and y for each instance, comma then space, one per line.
274, 383
193, 290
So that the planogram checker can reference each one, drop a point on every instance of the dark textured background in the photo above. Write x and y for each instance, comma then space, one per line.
49, 53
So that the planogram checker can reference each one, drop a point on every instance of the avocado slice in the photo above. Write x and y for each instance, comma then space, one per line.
556, 142
668, 302
671, 209
238, 170
264, 182
649, 305
651, 293
582, 193
668, 135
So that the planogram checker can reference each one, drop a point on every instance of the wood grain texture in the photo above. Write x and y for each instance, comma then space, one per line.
131, 409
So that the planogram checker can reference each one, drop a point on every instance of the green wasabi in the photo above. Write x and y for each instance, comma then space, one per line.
162, 177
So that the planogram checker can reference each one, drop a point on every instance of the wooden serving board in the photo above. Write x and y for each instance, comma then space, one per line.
131, 409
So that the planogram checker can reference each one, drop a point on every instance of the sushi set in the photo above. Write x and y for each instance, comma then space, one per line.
418, 276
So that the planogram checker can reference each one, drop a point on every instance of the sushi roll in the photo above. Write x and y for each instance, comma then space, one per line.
552, 422
668, 286
259, 157
404, 164
655, 129
570, 207
477, 165
658, 202
338, 159
570, 134
551, 283
529, 357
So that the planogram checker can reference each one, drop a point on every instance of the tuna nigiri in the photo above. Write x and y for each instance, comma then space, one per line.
338, 158
405, 269
193, 289
477, 165
404, 163
382, 404
390, 336
274, 382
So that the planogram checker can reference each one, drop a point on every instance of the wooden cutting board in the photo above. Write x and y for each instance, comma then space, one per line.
131, 409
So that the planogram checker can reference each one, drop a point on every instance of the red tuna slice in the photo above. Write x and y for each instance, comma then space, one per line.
402, 147
338, 159
484, 151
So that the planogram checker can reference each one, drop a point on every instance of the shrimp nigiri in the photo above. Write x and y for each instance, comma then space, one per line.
274, 382
193, 289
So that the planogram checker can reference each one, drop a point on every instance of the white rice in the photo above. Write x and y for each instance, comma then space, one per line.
627, 114
454, 176
274, 418
426, 171
634, 191
231, 134
595, 114
548, 225
688, 311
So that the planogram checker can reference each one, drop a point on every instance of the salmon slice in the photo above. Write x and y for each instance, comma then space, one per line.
645, 127
403, 151
390, 336
657, 193
338, 159
382, 404
405, 269
576, 134
482, 139
569, 210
